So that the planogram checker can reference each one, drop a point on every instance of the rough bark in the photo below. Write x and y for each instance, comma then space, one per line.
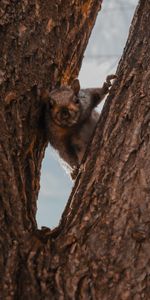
41, 45
101, 250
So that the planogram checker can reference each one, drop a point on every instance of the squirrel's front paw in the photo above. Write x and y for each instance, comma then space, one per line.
107, 84
109, 78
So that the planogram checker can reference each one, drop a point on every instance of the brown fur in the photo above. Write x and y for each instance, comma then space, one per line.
71, 119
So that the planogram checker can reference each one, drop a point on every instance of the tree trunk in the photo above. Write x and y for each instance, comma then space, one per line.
101, 250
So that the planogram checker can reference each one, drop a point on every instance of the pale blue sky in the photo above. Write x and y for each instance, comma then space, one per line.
101, 58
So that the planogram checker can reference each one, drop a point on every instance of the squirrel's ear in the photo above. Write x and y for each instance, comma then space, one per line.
75, 85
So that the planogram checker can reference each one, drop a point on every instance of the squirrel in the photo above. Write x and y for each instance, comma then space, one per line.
71, 119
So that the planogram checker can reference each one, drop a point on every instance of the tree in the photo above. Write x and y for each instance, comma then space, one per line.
100, 250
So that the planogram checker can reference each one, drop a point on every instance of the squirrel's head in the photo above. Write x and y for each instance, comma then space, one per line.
64, 105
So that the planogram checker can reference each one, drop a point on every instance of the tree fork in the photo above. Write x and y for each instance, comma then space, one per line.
42, 45
101, 248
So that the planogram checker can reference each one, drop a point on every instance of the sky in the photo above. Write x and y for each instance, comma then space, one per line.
101, 58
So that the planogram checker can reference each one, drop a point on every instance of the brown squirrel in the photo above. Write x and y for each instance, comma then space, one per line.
71, 119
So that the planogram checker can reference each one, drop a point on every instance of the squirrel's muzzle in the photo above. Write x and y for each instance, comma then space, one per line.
64, 113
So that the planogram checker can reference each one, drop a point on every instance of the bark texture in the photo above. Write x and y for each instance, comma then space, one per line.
41, 45
101, 250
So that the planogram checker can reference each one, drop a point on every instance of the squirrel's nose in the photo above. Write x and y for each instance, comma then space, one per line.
64, 112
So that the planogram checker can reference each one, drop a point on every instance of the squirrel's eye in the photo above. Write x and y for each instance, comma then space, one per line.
76, 100
51, 103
